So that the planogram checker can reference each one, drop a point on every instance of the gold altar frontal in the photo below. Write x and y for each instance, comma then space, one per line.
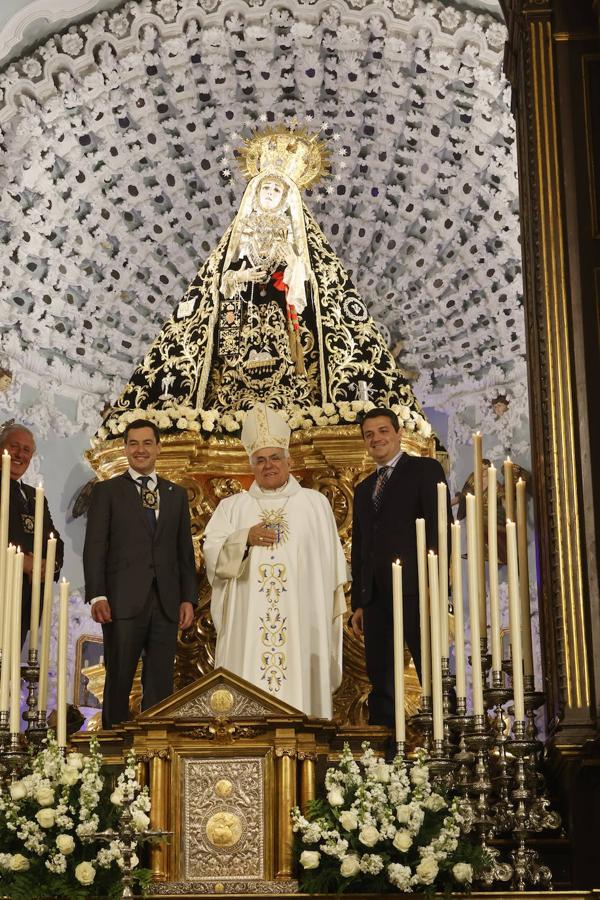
225, 761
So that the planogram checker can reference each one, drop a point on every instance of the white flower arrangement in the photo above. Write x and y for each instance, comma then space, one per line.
49, 818
392, 831
178, 417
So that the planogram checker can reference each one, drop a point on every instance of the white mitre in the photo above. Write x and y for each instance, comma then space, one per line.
263, 427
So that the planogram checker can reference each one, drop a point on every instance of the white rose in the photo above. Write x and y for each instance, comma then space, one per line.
419, 775
19, 863
403, 813
140, 820
434, 803
382, 773
403, 840
427, 870
18, 791
65, 843
348, 820
69, 776
463, 872
117, 797
75, 760
310, 859
368, 835
46, 817
44, 796
350, 866
85, 873
335, 797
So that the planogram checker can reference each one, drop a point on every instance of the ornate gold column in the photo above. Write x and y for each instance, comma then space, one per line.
285, 755
531, 61
553, 63
159, 763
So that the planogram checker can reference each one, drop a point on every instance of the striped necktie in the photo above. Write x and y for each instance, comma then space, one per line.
382, 477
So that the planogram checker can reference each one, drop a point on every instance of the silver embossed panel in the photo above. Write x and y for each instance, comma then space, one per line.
223, 819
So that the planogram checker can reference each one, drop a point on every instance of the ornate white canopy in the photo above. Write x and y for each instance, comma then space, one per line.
114, 156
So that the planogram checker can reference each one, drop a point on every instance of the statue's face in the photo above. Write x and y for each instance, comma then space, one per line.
270, 195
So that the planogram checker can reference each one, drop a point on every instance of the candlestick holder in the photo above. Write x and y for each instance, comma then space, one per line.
423, 721
478, 740
129, 838
463, 758
30, 672
447, 686
4, 731
527, 868
486, 660
15, 755
441, 766
400, 751
500, 761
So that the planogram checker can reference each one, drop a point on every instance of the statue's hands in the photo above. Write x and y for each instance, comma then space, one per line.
243, 276
261, 536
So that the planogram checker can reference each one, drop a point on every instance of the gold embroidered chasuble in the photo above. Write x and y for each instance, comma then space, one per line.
278, 610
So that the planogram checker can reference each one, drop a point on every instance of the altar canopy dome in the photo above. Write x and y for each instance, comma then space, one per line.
118, 179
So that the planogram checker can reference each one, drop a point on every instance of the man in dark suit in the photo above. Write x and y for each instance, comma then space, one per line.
386, 505
140, 575
20, 444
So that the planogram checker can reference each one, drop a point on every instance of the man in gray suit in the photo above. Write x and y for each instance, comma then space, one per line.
140, 574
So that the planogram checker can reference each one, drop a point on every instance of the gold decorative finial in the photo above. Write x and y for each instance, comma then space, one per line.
290, 150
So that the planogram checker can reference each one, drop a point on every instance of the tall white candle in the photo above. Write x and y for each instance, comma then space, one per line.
514, 613
509, 494
61, 664
15, 648
36, 574
436, 649
46, 624
4, 509
398, 651
459, 623
493, 569
423, 609
478, 477
7, 630
442, 507
473, 573
523, 557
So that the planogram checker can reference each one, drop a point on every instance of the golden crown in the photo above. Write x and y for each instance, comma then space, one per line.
295, 152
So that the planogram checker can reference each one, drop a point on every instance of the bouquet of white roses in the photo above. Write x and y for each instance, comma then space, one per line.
48, 822
382, 827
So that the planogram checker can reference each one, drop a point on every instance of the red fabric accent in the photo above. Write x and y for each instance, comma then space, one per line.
278, 282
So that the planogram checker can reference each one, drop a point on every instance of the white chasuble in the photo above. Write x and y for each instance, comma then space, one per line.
278, 611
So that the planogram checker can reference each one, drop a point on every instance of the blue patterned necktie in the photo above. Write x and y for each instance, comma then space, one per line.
382, 477
143, 481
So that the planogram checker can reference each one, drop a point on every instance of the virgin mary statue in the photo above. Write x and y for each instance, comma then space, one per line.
272, 315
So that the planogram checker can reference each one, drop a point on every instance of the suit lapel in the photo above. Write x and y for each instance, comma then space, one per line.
165, 494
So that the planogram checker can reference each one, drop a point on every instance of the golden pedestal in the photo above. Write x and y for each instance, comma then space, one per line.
331, 460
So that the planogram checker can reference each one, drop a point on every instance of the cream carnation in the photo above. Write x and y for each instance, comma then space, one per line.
19, 863
419, 775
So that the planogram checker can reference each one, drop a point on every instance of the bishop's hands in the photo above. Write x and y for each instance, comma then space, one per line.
261, 536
